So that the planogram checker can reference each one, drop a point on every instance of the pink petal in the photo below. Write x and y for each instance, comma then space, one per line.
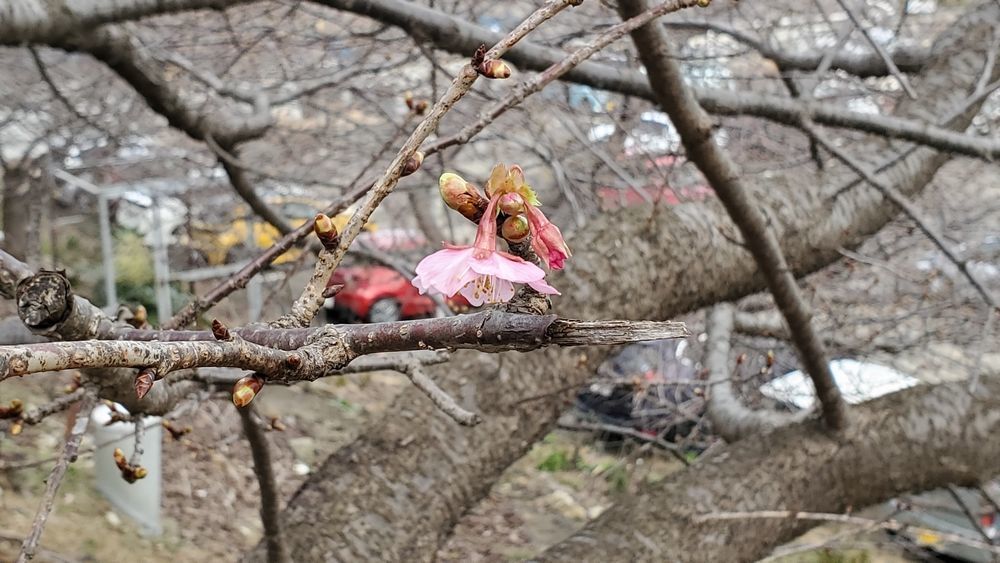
496, 264
445, 271
541, 287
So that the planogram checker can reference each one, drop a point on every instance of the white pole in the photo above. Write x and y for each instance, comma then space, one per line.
161, 266
107, 255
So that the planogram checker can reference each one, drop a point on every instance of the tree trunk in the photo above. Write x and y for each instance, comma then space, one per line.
27, 196
918, 439
395, 492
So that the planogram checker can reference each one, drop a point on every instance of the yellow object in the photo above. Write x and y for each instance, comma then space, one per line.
216, 241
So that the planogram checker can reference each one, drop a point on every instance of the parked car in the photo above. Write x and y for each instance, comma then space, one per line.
378, 294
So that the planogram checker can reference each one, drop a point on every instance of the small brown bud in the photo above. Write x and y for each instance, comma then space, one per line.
293, 361
139, 317
246, 389
421, 107
175, 432
220, 331
277, 425
480, 55
515, 228
412, 164
332, 290
326, 231
144, 381
15, 409
120, 460
770, 358
495, 69
408, 99
462, 196
704, 3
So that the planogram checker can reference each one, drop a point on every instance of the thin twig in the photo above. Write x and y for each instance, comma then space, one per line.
911, 210
270, 509
442, 400
55, 478
889, 63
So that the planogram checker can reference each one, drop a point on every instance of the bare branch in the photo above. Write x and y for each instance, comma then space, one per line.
730, 417
695, 130
889, 63
310, 353
55, 478
270, 509
443, 401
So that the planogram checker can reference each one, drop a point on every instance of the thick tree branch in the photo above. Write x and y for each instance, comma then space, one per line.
695, 130
864, 65
307, 354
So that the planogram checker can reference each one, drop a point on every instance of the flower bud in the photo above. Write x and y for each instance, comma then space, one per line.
326, 231
511, 204
16, 427
219, 331
704, 3
412, 164
494, 68
246, 389
144, 381
15, 409
462, 196
515, 228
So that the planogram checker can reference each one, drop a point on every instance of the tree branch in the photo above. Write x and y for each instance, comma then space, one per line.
729, 416
695, 130
277, 550
55, 478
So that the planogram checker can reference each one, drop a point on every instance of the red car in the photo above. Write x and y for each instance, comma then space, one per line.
377, 294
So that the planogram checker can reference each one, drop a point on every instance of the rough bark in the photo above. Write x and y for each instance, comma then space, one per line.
394, 493
919, 439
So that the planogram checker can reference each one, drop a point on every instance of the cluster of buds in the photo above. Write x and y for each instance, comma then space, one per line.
480, 272
131, 473
490, 68
246, 389
417, 107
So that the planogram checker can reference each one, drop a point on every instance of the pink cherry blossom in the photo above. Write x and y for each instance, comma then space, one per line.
480, 272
